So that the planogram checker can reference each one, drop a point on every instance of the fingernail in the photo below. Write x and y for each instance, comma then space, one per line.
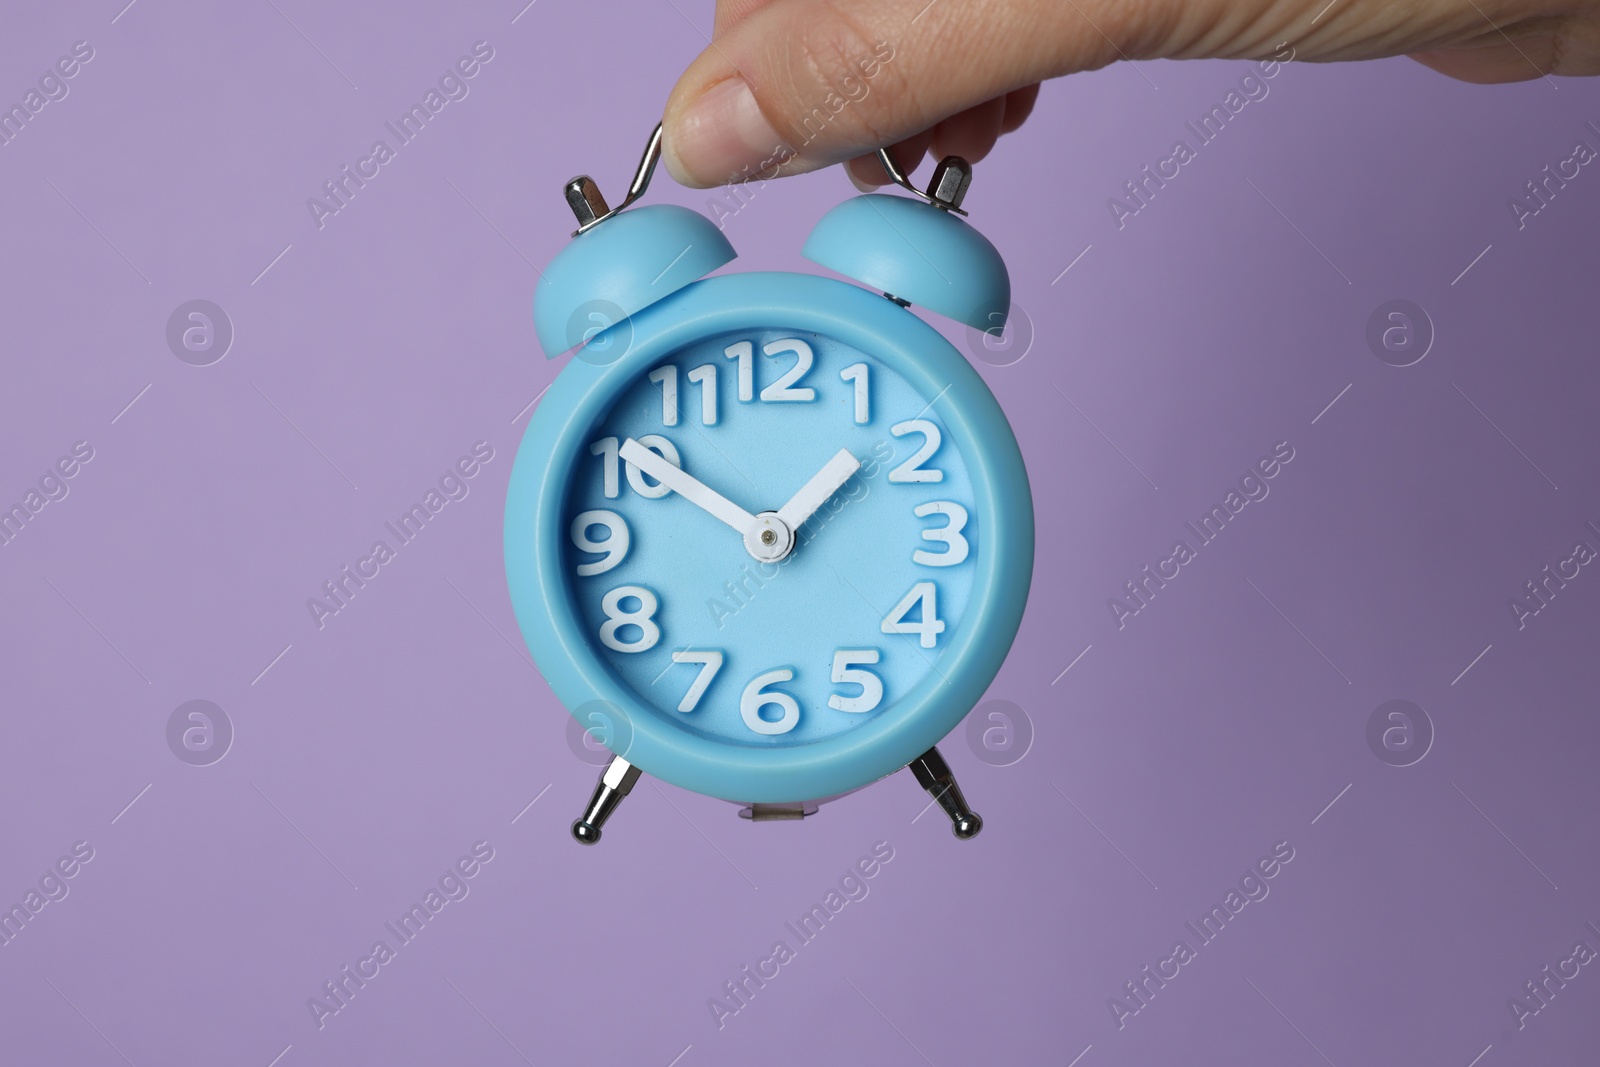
720, 134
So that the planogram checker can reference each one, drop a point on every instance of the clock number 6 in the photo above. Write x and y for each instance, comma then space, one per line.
756, 696
845, 672
643, 618
614, 546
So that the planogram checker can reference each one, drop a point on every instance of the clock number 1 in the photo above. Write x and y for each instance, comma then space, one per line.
857, 373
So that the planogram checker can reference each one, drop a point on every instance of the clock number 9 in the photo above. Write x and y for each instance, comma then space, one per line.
607, 449
614, 547
643, 618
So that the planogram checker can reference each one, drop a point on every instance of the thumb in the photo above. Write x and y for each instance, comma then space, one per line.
802, 84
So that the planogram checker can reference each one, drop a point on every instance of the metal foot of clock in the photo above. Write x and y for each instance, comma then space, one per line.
930, 770
934, 775
616, 782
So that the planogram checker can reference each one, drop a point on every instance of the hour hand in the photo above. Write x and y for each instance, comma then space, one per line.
815, 493
687, 486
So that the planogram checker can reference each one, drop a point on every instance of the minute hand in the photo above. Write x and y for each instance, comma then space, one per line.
816, 492
686, 486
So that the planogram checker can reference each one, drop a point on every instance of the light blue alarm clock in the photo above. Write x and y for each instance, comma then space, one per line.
768, 536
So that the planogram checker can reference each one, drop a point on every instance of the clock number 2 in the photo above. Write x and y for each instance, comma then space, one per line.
641, 618
912, 470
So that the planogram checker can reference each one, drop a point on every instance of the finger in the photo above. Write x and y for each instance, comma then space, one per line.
1019, 105
867, 170
803, 84
972, 133
732, 12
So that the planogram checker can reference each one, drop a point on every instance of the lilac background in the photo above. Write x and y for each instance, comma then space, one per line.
375, 751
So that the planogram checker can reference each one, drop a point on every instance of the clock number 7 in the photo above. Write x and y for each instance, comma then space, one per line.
710, 663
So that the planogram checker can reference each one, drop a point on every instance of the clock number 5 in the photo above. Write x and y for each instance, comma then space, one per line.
845, 672
956, 546
641, 618
925, 594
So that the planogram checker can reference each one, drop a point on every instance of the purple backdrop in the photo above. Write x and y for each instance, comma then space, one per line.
1442, 849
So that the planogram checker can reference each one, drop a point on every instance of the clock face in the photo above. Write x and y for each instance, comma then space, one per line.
812, 566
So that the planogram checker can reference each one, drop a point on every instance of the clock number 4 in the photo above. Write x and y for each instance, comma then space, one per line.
925, 596
704, 376
641, 618
607, 448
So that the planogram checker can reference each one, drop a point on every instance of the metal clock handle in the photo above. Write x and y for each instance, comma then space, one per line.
952, 177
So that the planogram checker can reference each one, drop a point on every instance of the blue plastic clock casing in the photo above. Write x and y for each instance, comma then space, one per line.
557, 439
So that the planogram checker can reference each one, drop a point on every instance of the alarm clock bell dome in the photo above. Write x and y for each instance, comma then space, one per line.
918, 251
619, 265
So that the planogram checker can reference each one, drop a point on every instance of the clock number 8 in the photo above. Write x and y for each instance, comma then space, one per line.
617, 617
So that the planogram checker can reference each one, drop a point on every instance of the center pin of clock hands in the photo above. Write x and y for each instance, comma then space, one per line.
769, 536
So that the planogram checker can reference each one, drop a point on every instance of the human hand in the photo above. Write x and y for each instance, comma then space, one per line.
789, 86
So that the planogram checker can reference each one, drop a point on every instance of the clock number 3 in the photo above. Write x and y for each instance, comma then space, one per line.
641, 618
956, 546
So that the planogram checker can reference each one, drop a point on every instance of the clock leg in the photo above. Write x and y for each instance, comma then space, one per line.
616, 782
934, 775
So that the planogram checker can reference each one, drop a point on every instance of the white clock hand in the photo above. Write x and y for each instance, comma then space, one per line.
686, 486
815, 493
